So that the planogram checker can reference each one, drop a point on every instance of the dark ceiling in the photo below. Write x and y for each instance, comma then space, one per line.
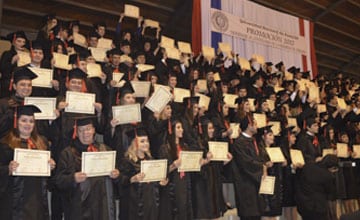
337, 22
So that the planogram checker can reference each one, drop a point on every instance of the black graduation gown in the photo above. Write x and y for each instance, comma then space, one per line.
7, 107
175, 197
308, 149
247, 170
6, 69
143, 198
158, 131
273, 202
314, 185
207, 195
92, 199
288, 177
21, 197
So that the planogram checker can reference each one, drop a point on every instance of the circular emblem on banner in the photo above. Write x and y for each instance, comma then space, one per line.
220, 21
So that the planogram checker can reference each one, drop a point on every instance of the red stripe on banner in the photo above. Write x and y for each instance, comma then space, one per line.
302, 33
196, 27
314, 67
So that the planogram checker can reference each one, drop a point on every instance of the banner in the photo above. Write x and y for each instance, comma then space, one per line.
235, 26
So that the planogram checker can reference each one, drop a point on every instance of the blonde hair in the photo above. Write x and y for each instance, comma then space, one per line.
131, 152
14, 141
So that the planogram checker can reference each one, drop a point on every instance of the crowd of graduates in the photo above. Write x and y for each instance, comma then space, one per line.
324, 187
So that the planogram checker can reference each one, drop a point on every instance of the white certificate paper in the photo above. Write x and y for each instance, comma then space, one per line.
24, 58
93, 70
190, 161
297, 157
45, 76
126, 114
154, 170
219, 150
275, 154
267, 185
158, 100
141, 88
104, 43
80, 102
356, 149
98, 163
99, 54
61, 61
342, 150
117, 77
32, 162
235, 127
180, 94
46, 105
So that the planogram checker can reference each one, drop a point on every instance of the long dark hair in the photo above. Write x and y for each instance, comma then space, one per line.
171, 140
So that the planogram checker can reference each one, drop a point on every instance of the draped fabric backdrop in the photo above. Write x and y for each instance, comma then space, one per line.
260, 15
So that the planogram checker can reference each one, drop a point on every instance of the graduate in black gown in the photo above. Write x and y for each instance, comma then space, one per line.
85, 197
143, 197
207, 193
22, 197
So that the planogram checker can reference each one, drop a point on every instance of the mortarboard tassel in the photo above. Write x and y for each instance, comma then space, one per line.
200, 127
75, 127
304, 124
11, 82
188, 104
30, 144
219, 107
288, 136
83, 86
169, 127
15, 118
31, 51
118, 97
14, 38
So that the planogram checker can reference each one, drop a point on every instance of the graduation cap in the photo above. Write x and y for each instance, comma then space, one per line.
265, 130
115, 51
309, 122
269, 63
20, 74
48, 17
305, 74
138, 131
241, 100
36, 45
139, 53
77, 74
293, 70
279, 65
83, 121
99, 24
125, 43
288, 130
93, 34
189, 101
18, 34
29, 110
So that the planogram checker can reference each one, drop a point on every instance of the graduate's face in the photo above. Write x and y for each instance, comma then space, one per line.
153, 79
166, 113
128, 99
314, 128
265, 106
23, 88
26, 125
75, 85
19, 43
344, 138
37, 56
210, 130
141, 59
224, 88
147, 47
292, 139
116, 59
143, 144
101, 31
179, 130
75, 29
269, 138
246, 106
126, 49
196, 74
93, 41
195, 109
172, 82
225, 110
82, 65
331, 134
242, 92
86, 134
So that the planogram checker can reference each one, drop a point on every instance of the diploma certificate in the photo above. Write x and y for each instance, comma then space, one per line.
126, 114
327, 151
158, 100
154, 170
145, 67
190, 161
117, 77
99, 54
131, 11
204, 100
180, 94
98, 163
267, 185
46, 105
167, 42
297, 157
141, 88
184, 47
356, 149
104, 43
275, 154
32, 162
235, 127
80, 102
230, 99
45, 76
61, 61
202, 84
244, 63
93, 70
342, 150
260, 120
219, 150
80, 40
24, 58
